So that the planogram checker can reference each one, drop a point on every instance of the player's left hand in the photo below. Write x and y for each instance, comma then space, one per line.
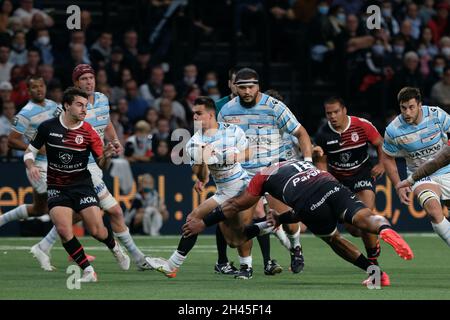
193, 226
117, 146
109, 150
377, 171
404, 184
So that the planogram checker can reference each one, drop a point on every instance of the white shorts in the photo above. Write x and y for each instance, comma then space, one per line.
229, 190
97, 179
443, 181
39, 186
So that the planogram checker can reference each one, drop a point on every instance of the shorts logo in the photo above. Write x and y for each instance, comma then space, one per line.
65, 157
362, 184
52, 193
87, 200
79, 139
355, 136
345, 157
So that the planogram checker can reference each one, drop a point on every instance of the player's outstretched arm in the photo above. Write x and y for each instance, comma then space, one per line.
304, 142
391, 170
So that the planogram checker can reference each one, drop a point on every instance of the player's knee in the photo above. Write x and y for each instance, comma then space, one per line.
65, 232
110, 204
425, 198
98, 231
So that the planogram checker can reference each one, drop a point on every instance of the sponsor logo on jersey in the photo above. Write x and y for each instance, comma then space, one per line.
233, 120
355, 136
58, 135
87, 200
362, 184
429, 138
425, 152
332, 142
79, 139
345, 156
65, 157
52, 193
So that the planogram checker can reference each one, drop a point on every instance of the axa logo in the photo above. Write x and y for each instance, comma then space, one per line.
362, 184
65, 157
86, 200
52, 193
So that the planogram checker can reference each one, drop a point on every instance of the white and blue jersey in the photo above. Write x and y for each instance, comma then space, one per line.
31, 116
418, 143
263, 125
227, 141
98, 116
291, 150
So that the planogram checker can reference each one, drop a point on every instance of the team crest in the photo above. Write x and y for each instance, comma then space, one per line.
79, 139
345, 157
65, 157
355, 136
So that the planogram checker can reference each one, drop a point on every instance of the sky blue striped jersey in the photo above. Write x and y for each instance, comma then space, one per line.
227, 140
31, 116
264, 125
418, 143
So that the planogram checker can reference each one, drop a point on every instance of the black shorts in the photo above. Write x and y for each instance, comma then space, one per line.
363, 180
331, 204
76, 197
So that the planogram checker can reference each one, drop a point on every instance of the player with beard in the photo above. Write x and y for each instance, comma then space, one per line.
264, 119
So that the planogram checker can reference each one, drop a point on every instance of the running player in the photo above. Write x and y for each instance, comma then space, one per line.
69, 141
217, 149
345, 140
83, 77
418, 134
264, 120
318, 200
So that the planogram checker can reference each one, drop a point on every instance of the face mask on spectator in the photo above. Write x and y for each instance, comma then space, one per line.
341, 17
215, 97
446, 52
386, 12
439, 70
378, 49
323, 10
210, 83
399, 49
422, 52
18, 47
146, 189
43, 40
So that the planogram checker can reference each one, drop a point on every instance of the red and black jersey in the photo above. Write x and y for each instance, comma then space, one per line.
68, 151
347, 151
292, 182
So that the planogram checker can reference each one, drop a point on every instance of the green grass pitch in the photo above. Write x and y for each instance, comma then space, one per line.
326, 276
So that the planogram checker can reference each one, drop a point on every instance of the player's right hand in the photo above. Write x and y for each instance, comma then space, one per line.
403, 193
34, 173
199, 186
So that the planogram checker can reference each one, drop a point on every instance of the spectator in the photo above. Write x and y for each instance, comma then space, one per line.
444, 44
350, 6
7, 117
398, 47
162, 154
47, 72
19, 94
54, 91
148, 211
163, 133
152, 117
136, 105
190, 74
18, 55
122, 107
152, 89
436, 73
143, 64
170, 93
412, 15
192, 93
130, 49
6, 10
115, 66
115, 120
440, 24
14, 25
86, 26
211, 80
409, 75
388, 20
33, 59
138, 147
427, 11
118, 91
43, 43
440, 93
79, 37
5, 91
406, 33
26, 12
166, 111
5, 151
101, 50
5, 65
426, 45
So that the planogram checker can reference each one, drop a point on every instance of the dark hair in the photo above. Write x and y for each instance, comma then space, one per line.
231, 72
408, 93
274, 94
246, 74
334, 99
33, 78
207, 102
70, 94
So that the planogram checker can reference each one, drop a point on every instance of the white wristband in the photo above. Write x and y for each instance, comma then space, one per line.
28, 156
308, 159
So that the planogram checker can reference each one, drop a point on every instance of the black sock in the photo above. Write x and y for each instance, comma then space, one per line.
186, 244
76, 252
109, 241
363, 263
384, 226
251, 231
221, 244
264, 242
373, 253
